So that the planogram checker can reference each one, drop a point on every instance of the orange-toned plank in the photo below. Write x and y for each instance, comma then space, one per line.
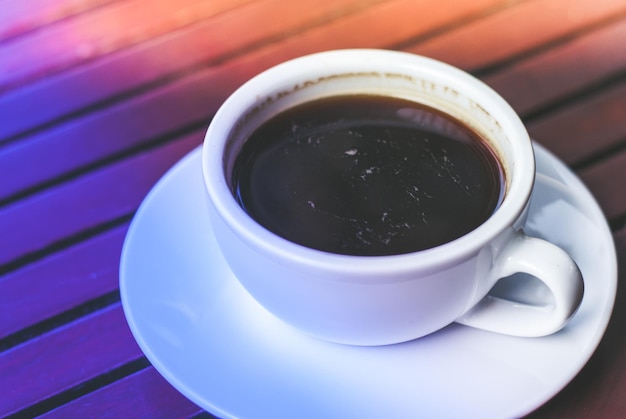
561, 71
221, 36
515, 30
387, 24
268, 21
196, 97
391, 23
91, 35
19, 16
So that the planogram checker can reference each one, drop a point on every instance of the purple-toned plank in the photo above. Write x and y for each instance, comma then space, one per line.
101, 134
64, 358
150, 61
509, 32
18, 16
61, 281
557, 72
586, 127
144, 394
106, 132
195, 98
117, 190
90, 35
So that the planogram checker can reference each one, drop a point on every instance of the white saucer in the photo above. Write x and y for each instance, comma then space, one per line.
222, 350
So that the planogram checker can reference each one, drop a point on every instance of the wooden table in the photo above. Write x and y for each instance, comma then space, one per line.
98, 98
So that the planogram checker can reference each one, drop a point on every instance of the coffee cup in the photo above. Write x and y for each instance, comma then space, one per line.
343, 197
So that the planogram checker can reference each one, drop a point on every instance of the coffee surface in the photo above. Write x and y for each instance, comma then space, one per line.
367, 175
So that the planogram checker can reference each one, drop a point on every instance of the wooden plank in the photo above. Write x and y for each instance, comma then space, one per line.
74, 276
18, 17
64, 358
561, 71
586, 128
386, 25
35, 223
400, 19
84, 141
597, 391
198, 96
90, 35
607, 180
512, 31
214, 39
142, 394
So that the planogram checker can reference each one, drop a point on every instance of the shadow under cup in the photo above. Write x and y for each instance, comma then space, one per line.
364, 300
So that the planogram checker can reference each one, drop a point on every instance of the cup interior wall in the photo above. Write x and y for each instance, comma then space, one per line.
444, 98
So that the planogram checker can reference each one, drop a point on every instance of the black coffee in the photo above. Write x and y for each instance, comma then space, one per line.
367, 175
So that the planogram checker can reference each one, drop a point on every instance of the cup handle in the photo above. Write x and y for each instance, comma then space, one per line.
548, 263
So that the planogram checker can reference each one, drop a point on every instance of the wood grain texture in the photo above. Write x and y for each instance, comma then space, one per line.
64, 358
120, 73
85, 202
498, 37
143, 394
195, 98
587, 128
88, 36
130, 124
98, 98
598, 390
18, 17
563, 71
607, 180
62, 281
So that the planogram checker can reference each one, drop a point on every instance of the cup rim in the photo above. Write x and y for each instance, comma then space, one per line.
286, 75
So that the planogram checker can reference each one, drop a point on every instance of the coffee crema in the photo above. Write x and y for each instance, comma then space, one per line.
367, 175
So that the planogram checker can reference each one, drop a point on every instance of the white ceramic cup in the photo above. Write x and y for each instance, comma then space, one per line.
375, 300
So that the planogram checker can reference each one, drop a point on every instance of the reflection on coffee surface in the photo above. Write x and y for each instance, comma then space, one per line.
367, 175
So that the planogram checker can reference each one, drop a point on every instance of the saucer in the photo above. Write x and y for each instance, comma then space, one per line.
221, 349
